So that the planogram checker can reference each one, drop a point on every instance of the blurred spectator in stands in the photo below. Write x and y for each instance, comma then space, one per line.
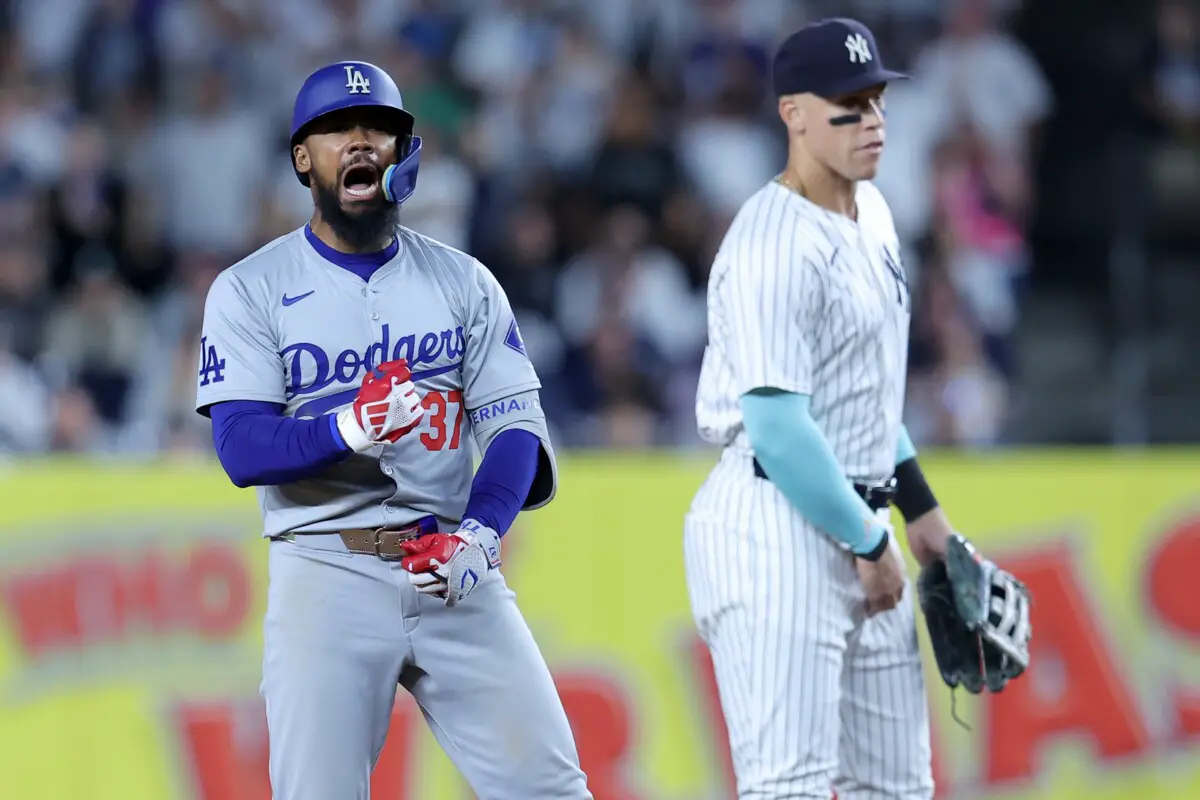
442, 207
1170, 95
628, 314
430, 28
972, 393
500, 52
980, 244
77, 427
25, 425
1172, 71
435, 100
635, 163
527, 267
87, 204
956, 397
162, 396
34, 110
25, 299
575, 90
721, 44
727, 152
116, 50
995, 88
94, 340
21, 210
208, 168
504, 43
47, 32
622, 407
644, 285
691, 234
316, 28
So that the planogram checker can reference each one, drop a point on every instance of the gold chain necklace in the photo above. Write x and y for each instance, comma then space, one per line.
782, 180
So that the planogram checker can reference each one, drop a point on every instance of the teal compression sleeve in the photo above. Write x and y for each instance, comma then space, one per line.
905, 449
794, 453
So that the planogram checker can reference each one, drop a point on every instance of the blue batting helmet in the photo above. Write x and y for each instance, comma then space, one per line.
351, 84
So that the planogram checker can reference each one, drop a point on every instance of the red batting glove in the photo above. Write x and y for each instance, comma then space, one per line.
431, 553
451, 565
386, 407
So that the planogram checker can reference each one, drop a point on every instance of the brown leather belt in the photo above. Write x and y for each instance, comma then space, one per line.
384, 543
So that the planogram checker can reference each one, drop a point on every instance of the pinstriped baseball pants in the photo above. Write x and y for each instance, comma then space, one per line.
816, 696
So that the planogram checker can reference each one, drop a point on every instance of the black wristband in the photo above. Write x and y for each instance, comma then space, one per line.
879, 550
913, 495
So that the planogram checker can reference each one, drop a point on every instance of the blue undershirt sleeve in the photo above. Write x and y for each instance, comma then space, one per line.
503, 480
794, 453
258, 446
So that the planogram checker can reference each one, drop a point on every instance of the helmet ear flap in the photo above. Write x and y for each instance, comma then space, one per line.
400, 179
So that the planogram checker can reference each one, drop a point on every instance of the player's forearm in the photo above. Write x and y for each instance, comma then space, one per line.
794, 453
503, 479
926, 525
257, 446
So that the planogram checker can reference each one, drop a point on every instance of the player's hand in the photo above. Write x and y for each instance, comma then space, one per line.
882, 580
450, 565
386, 407
928, 536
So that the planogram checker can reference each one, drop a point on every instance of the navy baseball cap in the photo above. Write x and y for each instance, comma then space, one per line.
828, 58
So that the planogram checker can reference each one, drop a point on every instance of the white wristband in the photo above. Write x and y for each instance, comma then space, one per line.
352, 433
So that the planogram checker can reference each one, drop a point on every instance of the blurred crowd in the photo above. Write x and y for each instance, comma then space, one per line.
590, 154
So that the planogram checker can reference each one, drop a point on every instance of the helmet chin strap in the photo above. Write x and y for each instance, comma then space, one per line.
400, 180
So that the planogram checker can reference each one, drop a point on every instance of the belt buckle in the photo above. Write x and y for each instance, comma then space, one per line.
404, 535
885, 491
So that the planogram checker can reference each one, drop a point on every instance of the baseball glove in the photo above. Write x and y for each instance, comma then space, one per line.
978, 619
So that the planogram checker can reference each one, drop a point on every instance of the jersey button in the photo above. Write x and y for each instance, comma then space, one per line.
374, 315
363, 291
387, 470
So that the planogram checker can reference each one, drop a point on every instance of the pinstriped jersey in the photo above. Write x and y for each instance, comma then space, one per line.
808, 301
288, 327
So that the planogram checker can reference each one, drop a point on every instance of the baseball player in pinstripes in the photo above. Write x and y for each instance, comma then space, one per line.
796, 582
347, 368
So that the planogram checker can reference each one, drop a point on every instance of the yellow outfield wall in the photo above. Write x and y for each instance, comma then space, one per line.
131, 599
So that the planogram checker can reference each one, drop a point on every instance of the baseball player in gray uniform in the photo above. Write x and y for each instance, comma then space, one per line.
796, 582
347, 368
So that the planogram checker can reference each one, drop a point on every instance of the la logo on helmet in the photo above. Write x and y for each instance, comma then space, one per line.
356, 82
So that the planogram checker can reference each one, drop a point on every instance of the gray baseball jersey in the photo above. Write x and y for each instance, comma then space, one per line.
286, 326
807, 301
342, 631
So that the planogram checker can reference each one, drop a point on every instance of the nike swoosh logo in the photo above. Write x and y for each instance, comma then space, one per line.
287, 301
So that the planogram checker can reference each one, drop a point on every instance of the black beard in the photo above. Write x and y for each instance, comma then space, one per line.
365, 231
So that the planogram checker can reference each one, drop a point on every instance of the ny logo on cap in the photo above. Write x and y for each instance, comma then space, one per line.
356, 82
860, 51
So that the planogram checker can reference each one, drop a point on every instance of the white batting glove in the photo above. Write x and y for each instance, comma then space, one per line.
386, 407
451, 565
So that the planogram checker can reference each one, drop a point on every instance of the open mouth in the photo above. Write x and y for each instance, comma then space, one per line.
361, 181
